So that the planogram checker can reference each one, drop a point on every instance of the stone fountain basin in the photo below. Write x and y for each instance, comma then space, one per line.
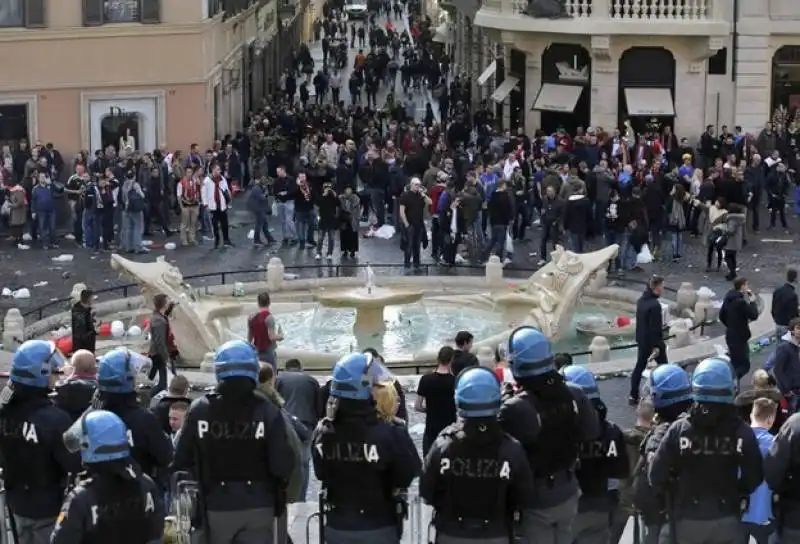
377, 297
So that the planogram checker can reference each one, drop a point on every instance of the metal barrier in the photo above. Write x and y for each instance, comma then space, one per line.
8, 526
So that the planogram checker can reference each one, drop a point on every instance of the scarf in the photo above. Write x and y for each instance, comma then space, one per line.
304, 188
217, 193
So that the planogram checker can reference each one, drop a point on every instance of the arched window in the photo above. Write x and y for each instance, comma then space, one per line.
785, 84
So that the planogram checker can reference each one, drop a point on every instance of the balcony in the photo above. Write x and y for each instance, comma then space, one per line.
631, 17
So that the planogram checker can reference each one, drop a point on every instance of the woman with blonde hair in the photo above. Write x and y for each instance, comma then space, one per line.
386, 402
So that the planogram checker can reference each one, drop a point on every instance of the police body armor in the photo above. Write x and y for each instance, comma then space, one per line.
476, 503
354, 486
121, 513
709, 470
139, 451
556, 448
594, 466
231, 437
28, 463
651, 505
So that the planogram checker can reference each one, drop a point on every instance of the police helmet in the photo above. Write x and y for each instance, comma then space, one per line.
529, 353
669, 384
236, 358
355, 374
99, 435
478, 393
582, 379
117, 370
34, 361
714, 381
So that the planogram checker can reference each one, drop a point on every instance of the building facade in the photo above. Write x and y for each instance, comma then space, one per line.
686, 63
85, 74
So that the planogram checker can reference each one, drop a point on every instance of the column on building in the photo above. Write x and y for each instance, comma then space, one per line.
691, 77
753, 66
605, 83
533, 82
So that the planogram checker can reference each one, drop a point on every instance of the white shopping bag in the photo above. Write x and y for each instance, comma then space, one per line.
644, 256
509, 244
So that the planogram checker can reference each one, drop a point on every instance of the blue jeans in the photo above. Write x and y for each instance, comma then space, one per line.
478, 237
577, 242
204, 219
132, 229
378, 202
306, 462
262, 227
628, 253
611, 239
302, 223
497, 240
285, 213
676, 243
92, 228
46, 224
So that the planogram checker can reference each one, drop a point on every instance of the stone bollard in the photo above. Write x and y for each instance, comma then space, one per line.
494, 270
208, 362
75, 294
598, 280
704, 309
275, 271
13, 330
681, 330
686, 297
601, 350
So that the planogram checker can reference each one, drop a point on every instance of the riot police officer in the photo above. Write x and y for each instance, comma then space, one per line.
361, 460
36, 464
151, 448
782, 474
671, 392
476, 477
708, 462
114, 502
601, 459
550, 419
233, 441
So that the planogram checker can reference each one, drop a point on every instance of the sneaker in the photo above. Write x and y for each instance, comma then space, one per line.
541, 262
633, 401
506, 261
318, 256
329, 256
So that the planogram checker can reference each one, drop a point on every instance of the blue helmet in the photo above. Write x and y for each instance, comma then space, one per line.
529, 353
714, 381
583, 379
34, 361
99, 435
355, 374
117, 370
236, 358
478, 393
669, 384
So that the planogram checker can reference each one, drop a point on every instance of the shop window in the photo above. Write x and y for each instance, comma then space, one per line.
22, 13
100, 12
718, 64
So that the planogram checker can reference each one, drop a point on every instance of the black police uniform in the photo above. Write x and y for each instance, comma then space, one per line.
361, 461
651, 505
151, 448
477, 479
35, 461
75, 395
782, 474
599, 460
106, 508
234, 443
709, 463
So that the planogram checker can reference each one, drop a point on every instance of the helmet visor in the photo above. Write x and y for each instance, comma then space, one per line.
140, 364
376, 372
75, 436
57, 359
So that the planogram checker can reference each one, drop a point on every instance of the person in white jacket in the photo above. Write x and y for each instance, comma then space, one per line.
216, 196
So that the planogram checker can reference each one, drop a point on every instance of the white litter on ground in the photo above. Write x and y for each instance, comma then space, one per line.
64, 258
69, 237
21, 293
384, 233
251, 234
170, 245
23, 246
289, 276
147, 243
6, 292
40, 284
26, 237
417, 429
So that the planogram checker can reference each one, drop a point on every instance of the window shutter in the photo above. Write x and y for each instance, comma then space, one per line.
35, 14
92, 12
151, 11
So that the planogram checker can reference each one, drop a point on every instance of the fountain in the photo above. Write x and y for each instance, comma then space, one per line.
369, 303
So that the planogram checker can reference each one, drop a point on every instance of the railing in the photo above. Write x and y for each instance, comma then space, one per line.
671, 10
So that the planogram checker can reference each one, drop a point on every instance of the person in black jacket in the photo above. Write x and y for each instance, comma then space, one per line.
178, 391
786, 365
500, 209
577, 217
785, 303
84, 335
739, 308
649, 334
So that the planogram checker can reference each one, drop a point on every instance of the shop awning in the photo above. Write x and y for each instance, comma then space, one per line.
649, 102
443, 34
504, 89
560, 98
486, 74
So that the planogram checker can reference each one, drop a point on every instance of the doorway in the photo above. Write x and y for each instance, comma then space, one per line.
786, 83
121, 130
645, 68
13, 124
568, 64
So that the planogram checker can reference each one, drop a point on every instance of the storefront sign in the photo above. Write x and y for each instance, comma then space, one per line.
267, 20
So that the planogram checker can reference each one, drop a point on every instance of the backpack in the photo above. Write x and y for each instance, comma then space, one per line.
648, 503
136, 202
